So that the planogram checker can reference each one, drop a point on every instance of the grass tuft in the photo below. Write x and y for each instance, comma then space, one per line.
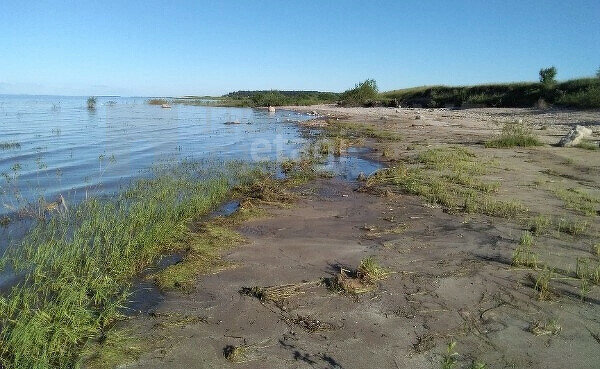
588, 145
514, 135
358, 281
542, 284
523, 256
577, 199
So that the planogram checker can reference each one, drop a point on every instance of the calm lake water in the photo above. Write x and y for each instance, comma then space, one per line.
51, 145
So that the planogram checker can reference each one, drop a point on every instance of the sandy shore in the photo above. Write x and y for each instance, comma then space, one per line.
451, 275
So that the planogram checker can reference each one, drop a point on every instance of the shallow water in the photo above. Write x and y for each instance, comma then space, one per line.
69, 150
53, 146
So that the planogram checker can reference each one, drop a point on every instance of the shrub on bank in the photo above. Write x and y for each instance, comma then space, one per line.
362, 93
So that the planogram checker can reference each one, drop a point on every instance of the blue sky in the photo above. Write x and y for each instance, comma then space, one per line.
153, 48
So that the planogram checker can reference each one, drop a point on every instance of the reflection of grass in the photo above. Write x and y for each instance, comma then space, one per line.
78, 265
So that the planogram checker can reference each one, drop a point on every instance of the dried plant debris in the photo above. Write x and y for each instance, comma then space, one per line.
277, 294
538, 328
236, 354
312, 325
360, 280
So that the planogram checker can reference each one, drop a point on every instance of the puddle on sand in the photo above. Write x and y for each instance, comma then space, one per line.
350, 165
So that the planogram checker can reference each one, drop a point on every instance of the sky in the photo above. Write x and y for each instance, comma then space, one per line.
175, 48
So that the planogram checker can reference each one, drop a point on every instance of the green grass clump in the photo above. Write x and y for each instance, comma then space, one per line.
514, 135
578, 200
353, 130
540, 224
523, 256
572, 227
448, 176
78, 266
116, 348
542, 284
458, 159
450, 358
371, 271
588, 145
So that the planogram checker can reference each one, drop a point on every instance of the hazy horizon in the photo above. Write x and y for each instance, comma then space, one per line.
195, 48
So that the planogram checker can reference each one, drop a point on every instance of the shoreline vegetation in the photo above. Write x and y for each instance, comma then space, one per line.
542, 252
583, 93
78, 267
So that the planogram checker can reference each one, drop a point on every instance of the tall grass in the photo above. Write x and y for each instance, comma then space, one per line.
77, 266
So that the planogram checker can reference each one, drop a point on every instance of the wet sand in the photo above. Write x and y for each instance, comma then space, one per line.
451, 275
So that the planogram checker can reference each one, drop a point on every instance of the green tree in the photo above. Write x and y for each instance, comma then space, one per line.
548, 75
361, 93
598, 72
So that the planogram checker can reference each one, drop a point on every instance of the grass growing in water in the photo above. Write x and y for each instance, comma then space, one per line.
514, 134
157, 101
91, 102
202, 256
9, 145
78, 266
